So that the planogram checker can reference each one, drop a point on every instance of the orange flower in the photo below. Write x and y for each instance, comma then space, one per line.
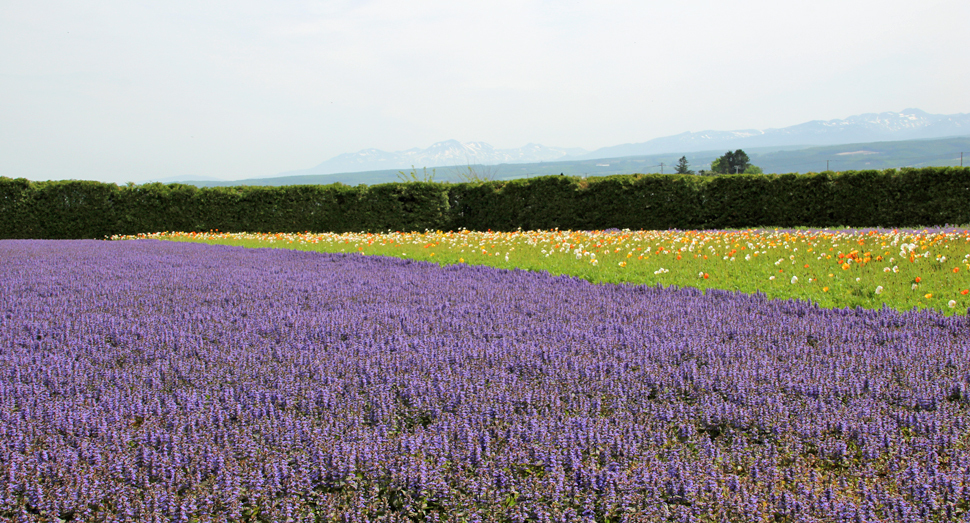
918, 279
845, 266
965, 292
825, 289
806, 265
956, 269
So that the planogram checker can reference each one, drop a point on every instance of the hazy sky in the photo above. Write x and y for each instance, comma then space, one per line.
126, 91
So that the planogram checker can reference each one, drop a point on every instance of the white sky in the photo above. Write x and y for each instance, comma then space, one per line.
126, 91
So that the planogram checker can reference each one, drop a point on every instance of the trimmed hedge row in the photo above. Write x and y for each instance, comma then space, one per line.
84, 209
930, 196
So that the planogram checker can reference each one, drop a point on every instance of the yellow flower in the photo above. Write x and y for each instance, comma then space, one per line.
928, 296
461, 260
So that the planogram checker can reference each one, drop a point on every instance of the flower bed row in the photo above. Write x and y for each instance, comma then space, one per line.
834, 268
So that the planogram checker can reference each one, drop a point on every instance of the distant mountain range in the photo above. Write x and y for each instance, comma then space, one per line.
855, 156
909, 124
448, 153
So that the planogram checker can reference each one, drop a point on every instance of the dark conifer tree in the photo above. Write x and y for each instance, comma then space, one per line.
682, 166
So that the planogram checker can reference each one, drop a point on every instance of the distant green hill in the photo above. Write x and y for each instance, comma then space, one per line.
875, 155
858, 156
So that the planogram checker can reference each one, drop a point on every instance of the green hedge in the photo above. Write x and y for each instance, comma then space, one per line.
930, 196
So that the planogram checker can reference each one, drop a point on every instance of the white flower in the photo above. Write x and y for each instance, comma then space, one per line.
895, 268
700, 274
879, 289
794, 279
747, 257
952, 304
915, 286
942, 259
858, 279
771, 277
886, 269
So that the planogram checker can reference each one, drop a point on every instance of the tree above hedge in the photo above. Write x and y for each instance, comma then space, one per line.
683, 167
731, 163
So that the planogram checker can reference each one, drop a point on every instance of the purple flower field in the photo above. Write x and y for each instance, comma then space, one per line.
162, 381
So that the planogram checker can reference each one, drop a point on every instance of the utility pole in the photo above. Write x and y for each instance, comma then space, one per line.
961, 159
826, 165
661, 167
